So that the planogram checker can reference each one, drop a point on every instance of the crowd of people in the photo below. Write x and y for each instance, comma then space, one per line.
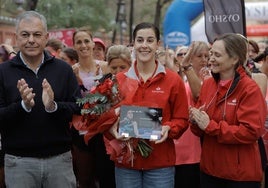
213, 99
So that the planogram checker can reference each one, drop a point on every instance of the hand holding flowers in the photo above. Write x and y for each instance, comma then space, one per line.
97, 112
100, 110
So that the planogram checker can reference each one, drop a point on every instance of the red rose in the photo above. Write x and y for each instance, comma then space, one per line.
105, 87
86, 106
93, 89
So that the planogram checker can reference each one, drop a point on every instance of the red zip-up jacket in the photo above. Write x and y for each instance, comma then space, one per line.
230, 142
164, 90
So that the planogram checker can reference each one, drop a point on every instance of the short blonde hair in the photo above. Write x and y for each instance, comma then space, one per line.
118, 51
179, 48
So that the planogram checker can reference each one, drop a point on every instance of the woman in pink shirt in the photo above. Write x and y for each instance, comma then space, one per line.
188, 146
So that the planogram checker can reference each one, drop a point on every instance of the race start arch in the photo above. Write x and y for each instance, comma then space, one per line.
177, 22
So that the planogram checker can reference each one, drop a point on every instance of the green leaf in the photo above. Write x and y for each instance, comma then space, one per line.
144, 148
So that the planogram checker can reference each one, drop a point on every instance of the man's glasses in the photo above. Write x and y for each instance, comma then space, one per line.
181, 54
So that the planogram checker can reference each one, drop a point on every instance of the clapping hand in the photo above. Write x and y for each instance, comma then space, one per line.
26, 94
48, 96
199, 117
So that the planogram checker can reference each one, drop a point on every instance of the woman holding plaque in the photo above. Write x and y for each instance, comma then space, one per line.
144, 163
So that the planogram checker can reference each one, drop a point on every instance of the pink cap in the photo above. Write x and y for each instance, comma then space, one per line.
98, 40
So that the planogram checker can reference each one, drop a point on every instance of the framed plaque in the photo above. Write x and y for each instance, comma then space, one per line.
140, 122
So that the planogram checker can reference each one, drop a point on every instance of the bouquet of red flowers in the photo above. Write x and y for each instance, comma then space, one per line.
96, 104
100, 98
97, 116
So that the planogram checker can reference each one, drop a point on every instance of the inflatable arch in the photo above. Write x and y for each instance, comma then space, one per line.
177, 22
180, 32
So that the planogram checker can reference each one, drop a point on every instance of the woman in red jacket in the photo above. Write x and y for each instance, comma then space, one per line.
148, 84
229, 117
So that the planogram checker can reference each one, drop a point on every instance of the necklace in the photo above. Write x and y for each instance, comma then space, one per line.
93, 69
210, 102
225, 99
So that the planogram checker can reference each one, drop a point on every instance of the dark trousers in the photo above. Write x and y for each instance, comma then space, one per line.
208, 181
92, 166
84, 168
266, 177
104, 166
187, 176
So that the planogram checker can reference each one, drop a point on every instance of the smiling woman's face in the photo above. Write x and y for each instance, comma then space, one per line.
221, 62
83, 44
145, 45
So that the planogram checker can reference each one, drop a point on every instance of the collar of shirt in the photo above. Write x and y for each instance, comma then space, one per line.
131, 73
24, 62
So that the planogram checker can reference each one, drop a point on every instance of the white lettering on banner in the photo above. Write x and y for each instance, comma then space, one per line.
224, 18
256, 11
57, 34
175, 38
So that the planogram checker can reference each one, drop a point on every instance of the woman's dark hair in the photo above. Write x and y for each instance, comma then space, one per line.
262, 55
146, 25
255, 46
71, 53
55, 44
82, 29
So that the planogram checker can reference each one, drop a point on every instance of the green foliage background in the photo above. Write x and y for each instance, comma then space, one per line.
95, 14
70, 13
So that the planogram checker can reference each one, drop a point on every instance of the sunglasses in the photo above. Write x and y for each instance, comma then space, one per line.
181, 54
